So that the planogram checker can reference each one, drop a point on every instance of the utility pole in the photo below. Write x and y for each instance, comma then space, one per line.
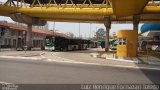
90, 29
95, 34
54, 28
0, 41
79, 30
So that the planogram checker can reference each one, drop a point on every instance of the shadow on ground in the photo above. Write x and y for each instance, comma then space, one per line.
152, 75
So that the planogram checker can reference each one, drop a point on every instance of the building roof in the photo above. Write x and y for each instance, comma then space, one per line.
152, 33
24, 28
150, 27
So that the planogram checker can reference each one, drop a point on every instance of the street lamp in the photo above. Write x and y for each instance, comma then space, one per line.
55, 32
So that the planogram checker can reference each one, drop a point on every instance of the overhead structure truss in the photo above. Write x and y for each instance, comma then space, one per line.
75, 10
60, 3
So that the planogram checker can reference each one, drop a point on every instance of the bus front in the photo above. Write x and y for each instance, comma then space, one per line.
50, 43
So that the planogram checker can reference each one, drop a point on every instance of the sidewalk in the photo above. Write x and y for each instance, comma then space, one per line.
20, 53
150, 60
112, 56
6, 49
84, 58
71, 57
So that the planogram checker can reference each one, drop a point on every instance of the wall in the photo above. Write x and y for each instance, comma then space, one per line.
130, 49
14, 38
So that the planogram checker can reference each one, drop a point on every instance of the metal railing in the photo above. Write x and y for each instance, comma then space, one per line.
55, 3
67, 3
153, 3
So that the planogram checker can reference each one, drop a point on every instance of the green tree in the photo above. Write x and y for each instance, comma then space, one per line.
70, 34
100, 34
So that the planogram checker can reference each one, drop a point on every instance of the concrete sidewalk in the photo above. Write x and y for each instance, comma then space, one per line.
6, 49
149, 60
87, 59
112, 56
71, 57
20, 53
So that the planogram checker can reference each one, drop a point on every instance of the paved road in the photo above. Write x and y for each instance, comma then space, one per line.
42, 72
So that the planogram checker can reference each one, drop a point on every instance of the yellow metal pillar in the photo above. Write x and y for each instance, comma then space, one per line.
107, 23
136, 19
29, 37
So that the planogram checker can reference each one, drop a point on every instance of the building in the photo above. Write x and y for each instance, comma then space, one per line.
15, 35
45, 27
151, 30
150, 36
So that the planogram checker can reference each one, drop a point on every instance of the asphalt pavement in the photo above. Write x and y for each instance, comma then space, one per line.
44, 70
40, 72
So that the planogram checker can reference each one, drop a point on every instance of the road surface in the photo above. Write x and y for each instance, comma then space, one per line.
41, 72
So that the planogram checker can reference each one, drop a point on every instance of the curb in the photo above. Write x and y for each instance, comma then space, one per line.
48, 60
97, 64
13, 57
42, 53
121, 60
95, 55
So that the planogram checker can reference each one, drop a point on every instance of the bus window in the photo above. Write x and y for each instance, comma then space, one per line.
49, 41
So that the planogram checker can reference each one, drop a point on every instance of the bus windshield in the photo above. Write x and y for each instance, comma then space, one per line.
49, 41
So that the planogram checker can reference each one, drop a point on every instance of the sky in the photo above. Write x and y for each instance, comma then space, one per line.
86, 29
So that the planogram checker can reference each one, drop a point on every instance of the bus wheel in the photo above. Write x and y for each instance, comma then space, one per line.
65, 49
61, 49
86, 48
